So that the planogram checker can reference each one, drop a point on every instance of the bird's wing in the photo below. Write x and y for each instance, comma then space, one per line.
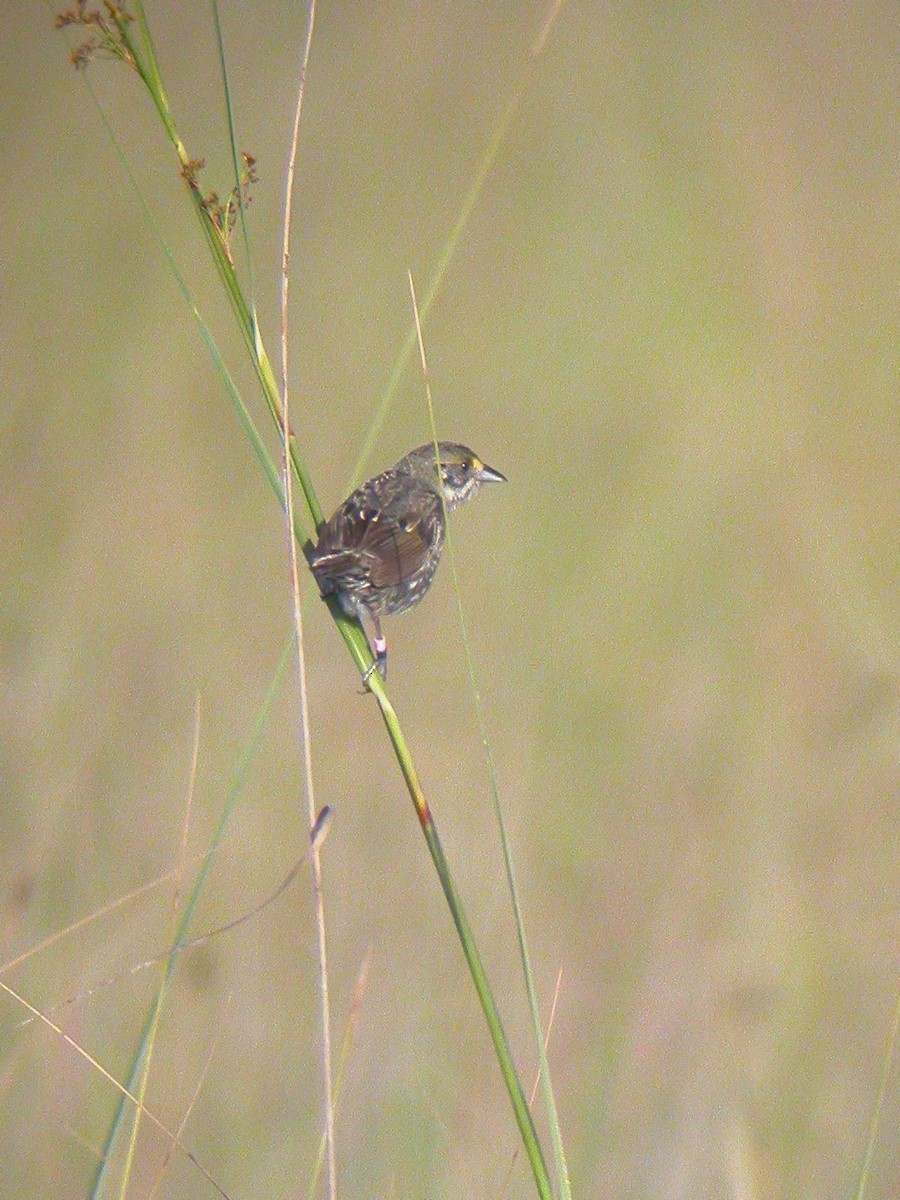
381, 533
396, 547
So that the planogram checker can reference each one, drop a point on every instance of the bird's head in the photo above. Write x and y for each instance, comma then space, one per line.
459, 472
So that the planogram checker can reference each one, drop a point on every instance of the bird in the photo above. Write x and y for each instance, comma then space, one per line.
379, 551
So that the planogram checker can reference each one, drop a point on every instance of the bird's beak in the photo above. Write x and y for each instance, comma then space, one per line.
487, 474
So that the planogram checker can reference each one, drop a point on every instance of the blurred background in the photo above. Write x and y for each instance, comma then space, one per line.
671, 321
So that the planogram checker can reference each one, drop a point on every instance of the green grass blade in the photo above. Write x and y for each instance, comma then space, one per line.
497, 138
879, 1104
559, 1155
470, 949
355, 640
242, 208
242, 769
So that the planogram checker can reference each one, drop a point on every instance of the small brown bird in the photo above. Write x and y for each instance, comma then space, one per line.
379, 552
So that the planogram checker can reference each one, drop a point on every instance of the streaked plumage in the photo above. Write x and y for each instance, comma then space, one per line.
379, 552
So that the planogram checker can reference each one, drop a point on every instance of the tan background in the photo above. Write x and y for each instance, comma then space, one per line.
671, 323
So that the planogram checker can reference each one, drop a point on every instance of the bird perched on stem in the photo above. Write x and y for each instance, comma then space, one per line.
379, 552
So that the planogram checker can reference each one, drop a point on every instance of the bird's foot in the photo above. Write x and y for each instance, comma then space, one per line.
379, 663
